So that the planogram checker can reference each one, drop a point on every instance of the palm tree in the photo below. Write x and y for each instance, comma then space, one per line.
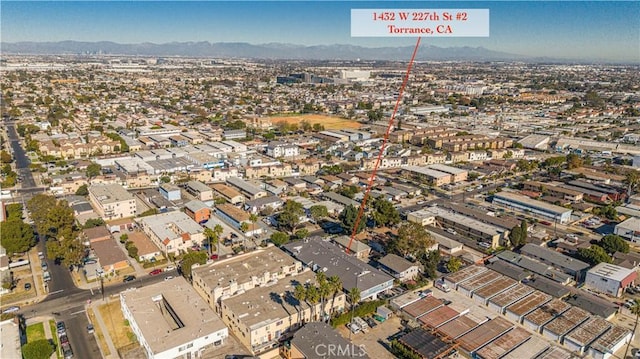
313, 297
253, 218
244, 227
300, 293
354, 297
323, 290
336, 286
632, 180
635, 309
213, 236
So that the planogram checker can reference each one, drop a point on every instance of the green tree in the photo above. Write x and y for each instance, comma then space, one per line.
384, 213
39, 349
632, 180
348, 218
318, 212
93, 170
612, 243
82, 190
313, 298
300, 294
349, 191
412, 240
354, 296
289, 218
132, 250
430, 262
279, 238
302, 233
17, 236
213, 236
574, 161
5, 157
189, 259
124, 238
335, 283
454, 264
93, 222
594, 255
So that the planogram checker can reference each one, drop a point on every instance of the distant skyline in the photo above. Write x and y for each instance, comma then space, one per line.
560, 29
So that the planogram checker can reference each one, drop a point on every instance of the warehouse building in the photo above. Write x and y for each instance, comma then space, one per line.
550, 211
610, 279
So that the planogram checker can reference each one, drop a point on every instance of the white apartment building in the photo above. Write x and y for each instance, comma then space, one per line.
171, 321
112, 201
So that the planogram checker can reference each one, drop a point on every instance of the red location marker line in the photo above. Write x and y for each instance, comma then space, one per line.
384, 144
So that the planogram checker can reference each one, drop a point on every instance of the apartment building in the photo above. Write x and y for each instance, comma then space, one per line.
170, 320
262, 316
112, 201
236, 275
200, 190
172, 231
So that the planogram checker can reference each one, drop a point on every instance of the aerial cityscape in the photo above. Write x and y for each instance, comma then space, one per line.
248, 180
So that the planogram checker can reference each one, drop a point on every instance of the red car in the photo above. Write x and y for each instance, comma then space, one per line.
545, 223
214, 256
155, 272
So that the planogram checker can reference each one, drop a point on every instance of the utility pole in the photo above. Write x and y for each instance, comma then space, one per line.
102, 287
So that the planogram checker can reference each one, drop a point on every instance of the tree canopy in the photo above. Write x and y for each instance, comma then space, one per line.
384, 213
318, 212
289, 218
348, 218
17, 236
594, 255
279, 238
39, 349
190, 259
613, 243
412, 240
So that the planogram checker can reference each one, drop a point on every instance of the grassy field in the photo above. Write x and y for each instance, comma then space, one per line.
35, 332
329, 122
119, 331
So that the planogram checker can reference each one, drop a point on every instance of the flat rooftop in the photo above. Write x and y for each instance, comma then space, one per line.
588, 331
261, 306
497, 348
484, 334
547, 311
499, 285
609, 339
425, 343
557, 259
458, 326
241, 268
317, 253
514, 294
465, 274
611, 271
422, 306
405, 299
438, 317
110, 193
555, 352
529, 349
480, 280
529, 303
518, 198
566, 321
469, 222
197, 319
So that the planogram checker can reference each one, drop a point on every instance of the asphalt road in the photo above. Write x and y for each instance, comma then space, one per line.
19, 156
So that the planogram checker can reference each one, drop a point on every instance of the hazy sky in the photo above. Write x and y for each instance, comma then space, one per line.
570, 29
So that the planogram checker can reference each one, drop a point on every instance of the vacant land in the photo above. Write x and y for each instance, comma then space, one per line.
329, 122
118, 328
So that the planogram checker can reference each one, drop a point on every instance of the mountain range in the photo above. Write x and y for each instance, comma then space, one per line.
275, 51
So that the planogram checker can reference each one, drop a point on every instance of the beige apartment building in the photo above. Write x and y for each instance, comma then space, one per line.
233, 276
262, 316
112, 201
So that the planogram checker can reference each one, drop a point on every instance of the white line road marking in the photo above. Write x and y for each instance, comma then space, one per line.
57, 291
78, 312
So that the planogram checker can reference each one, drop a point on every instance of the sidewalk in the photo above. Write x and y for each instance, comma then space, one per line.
113, 352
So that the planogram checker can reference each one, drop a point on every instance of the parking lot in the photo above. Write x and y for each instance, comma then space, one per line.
375, 339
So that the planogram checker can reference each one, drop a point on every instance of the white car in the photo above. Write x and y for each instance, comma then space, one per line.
169, 267
169, 277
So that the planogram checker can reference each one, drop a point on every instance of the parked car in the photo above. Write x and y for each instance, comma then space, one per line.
61, 329
11, 309
90, 329
355, 329
214, 256
129, 278
169, 267
372, 323
27, 286
155, 271
64, 339
168, 277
